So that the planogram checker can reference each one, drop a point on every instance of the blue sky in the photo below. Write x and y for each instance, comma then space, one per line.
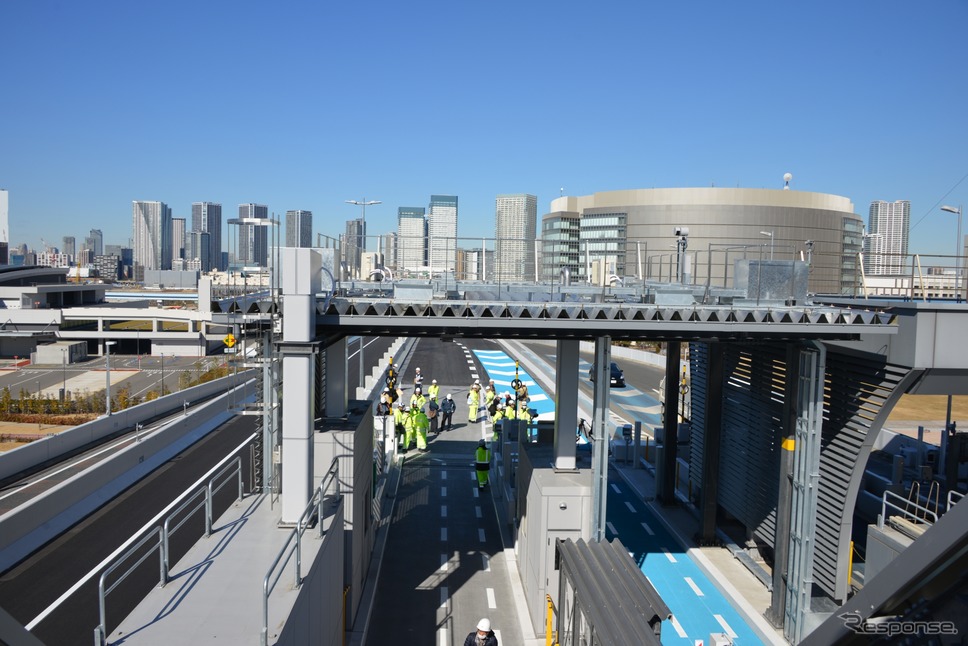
302, 105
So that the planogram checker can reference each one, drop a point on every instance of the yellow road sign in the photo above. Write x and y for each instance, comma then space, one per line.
229, 340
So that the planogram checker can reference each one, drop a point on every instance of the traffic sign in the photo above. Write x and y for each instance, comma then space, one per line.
229, 340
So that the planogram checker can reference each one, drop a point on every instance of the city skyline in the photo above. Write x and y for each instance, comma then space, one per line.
656, 96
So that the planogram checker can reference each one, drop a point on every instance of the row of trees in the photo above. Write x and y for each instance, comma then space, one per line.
82, 406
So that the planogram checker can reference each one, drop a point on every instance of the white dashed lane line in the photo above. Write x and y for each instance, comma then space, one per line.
722, 622
695, 588
648, 530
630, 506
611, 528
669, 556
678, 627
491, 599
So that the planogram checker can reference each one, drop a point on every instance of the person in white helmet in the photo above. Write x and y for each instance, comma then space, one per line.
483, 636
447, 409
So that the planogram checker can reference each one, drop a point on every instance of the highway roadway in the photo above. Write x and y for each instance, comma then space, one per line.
54, 591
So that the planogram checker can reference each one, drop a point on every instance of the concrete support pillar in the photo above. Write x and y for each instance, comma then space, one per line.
297, 435
665, 483
337, 390
712, 438
300, 282
566, 403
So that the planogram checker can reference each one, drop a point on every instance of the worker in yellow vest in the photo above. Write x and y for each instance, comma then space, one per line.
482, 463
409, 426
433, 391
420, 426
473, 403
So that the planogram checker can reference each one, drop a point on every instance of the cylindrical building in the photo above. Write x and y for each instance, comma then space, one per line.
632, 233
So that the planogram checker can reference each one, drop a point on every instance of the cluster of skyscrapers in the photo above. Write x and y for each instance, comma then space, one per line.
594, 238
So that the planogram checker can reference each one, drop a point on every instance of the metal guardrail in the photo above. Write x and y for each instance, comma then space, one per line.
163, 533
953, 497
293, 544
903, 510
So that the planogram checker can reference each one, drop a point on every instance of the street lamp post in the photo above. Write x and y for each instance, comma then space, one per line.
769, 233
64, 386
362, 203
107, 377
958, 249
162, 393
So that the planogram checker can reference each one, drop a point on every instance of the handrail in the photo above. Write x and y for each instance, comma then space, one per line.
293, 544
953, 497
100, 631
550, 638
208, 493
903, 511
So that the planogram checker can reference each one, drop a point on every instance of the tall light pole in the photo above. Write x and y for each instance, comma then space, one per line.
362, 203
769, 233
107, 377
64, 387
958, 249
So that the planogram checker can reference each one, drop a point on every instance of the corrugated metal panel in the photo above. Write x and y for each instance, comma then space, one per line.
855, 392
856, 389
749, 457
321, 383
698, 375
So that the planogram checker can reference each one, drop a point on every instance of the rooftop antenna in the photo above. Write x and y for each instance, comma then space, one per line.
561, 192
786, 181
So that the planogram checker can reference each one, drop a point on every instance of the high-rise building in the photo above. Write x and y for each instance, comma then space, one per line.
95, 242
353, 245
442, 233
4, 227
177, 239
299, 228
515, 229
886, 242
70, 246
207, 218
151, 228
253, 239
197, 247
387, 246
411, 240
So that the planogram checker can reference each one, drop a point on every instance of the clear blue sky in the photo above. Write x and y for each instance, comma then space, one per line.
302, 105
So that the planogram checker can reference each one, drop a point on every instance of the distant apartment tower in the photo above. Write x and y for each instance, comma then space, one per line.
442, 233
197, 248
207, 218
886, 243
94, 242
515, 228
411, 240
474, 264
70, 246
177, 239
151, 229
253, 238
353, 246
387, 246
4, 227
299, 228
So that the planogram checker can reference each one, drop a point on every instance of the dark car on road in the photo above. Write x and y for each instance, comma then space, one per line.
617, 376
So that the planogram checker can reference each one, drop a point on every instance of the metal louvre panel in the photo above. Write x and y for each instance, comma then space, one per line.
750, 458
698, 362
855, 391
321, 383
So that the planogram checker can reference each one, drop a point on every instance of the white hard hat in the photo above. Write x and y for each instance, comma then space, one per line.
448, 396
484, 624
477, 381
433, 381
418, 369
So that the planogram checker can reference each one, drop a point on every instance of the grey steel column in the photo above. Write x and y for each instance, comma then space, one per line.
781, 541
301, 281
566, 398
712, 437
665, 485
600, 435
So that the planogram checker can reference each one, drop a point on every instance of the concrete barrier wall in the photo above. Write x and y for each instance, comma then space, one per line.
28, 527
57, 445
